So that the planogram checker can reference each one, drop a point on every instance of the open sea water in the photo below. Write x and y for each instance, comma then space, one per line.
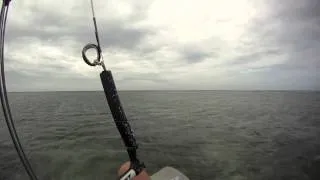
222, 135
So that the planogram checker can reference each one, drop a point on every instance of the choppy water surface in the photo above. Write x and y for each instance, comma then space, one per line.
205, 134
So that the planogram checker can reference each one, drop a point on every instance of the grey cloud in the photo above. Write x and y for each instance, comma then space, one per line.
54, 28
290, 78
147, 51
292, 29
116, 33
123, 37
290, 10
48, 67
193, 54
300, 23
253, 56
154, 77
20, 81
45, 77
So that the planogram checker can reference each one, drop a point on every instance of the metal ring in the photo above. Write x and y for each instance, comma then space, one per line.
86, 60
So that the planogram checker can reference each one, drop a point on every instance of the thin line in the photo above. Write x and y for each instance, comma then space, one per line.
4, 99
92, 9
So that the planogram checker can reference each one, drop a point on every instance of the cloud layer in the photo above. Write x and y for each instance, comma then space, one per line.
162, 44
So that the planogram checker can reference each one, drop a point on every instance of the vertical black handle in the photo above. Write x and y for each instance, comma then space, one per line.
117, 110
120, 119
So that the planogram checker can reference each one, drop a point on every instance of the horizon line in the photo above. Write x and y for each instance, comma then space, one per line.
248, 90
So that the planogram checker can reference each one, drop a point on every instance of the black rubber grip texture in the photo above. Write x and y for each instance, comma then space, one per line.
6, 2
117, 111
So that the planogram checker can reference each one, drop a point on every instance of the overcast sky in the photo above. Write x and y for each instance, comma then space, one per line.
165, 44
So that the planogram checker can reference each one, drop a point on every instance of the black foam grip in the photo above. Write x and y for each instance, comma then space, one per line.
116, 109
6, 2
